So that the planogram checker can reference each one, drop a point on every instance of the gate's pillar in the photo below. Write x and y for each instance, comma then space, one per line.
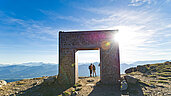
67, 69
67, 66
110, 64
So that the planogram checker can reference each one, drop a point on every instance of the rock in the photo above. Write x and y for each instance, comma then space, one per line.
124, 85
50, 80
142, 69
130, 80
2, 82
133, 69
167, 63
153, 68
74, 93
35, 84
91, 80
66, 93
78, 89
90, 84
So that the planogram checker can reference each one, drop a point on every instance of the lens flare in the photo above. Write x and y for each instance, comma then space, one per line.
105, 45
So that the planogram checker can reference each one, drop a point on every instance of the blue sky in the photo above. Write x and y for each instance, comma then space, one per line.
29, 28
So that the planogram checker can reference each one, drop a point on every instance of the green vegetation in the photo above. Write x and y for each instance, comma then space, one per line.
163, 78
159, 67
163, 68
169, 78
1, 88
77, 85
66, 93
134, 73
164, 74
20, 83
153, 81
144, 83
160, 81
152, 76
166, 70
146, 94
38, 78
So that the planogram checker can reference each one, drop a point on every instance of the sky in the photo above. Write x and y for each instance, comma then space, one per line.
29, 28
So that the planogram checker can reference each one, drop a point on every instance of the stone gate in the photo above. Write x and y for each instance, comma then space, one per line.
71, 42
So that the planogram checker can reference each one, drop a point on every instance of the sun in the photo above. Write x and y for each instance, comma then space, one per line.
117, 37
125, 36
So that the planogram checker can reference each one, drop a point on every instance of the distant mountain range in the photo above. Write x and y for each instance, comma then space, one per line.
33, 69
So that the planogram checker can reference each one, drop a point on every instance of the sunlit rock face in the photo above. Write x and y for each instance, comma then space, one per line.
71, 42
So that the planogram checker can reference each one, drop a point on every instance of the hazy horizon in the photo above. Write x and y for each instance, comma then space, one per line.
81, 63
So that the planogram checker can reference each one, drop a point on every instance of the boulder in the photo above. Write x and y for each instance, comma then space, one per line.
91, 80
50, 80
124, 85
2, 83
167, 63
153, 68
133, 69
142, 69
130, 80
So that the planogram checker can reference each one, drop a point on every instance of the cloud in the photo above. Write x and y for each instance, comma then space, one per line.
140, 2
30, 28
139, 28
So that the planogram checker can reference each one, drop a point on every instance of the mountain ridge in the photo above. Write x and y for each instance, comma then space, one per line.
39, 69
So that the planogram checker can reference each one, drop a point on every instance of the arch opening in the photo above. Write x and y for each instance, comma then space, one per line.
84, 58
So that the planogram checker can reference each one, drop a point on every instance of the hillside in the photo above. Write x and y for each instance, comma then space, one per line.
155, 79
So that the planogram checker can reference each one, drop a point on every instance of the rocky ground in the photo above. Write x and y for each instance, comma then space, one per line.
155, 79
146, 83
86, 86
19, 87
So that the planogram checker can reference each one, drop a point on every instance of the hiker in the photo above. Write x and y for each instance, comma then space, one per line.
94, 70
91, 68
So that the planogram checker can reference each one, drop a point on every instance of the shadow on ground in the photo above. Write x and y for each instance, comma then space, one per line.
44, 89
105, 90
114, 90
133, 90
55, 89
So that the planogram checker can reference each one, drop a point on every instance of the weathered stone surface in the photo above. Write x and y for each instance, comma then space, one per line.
50, 80
133, 69
142, 69
71, 42
2, 83
130, 80
124, 85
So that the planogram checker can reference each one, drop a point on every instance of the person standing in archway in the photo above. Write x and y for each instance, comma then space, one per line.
91, 69
94, 70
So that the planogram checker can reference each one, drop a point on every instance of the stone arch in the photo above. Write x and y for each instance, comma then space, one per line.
70, 42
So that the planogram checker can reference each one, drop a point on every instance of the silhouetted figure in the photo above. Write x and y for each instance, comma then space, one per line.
91, 69
94, 70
